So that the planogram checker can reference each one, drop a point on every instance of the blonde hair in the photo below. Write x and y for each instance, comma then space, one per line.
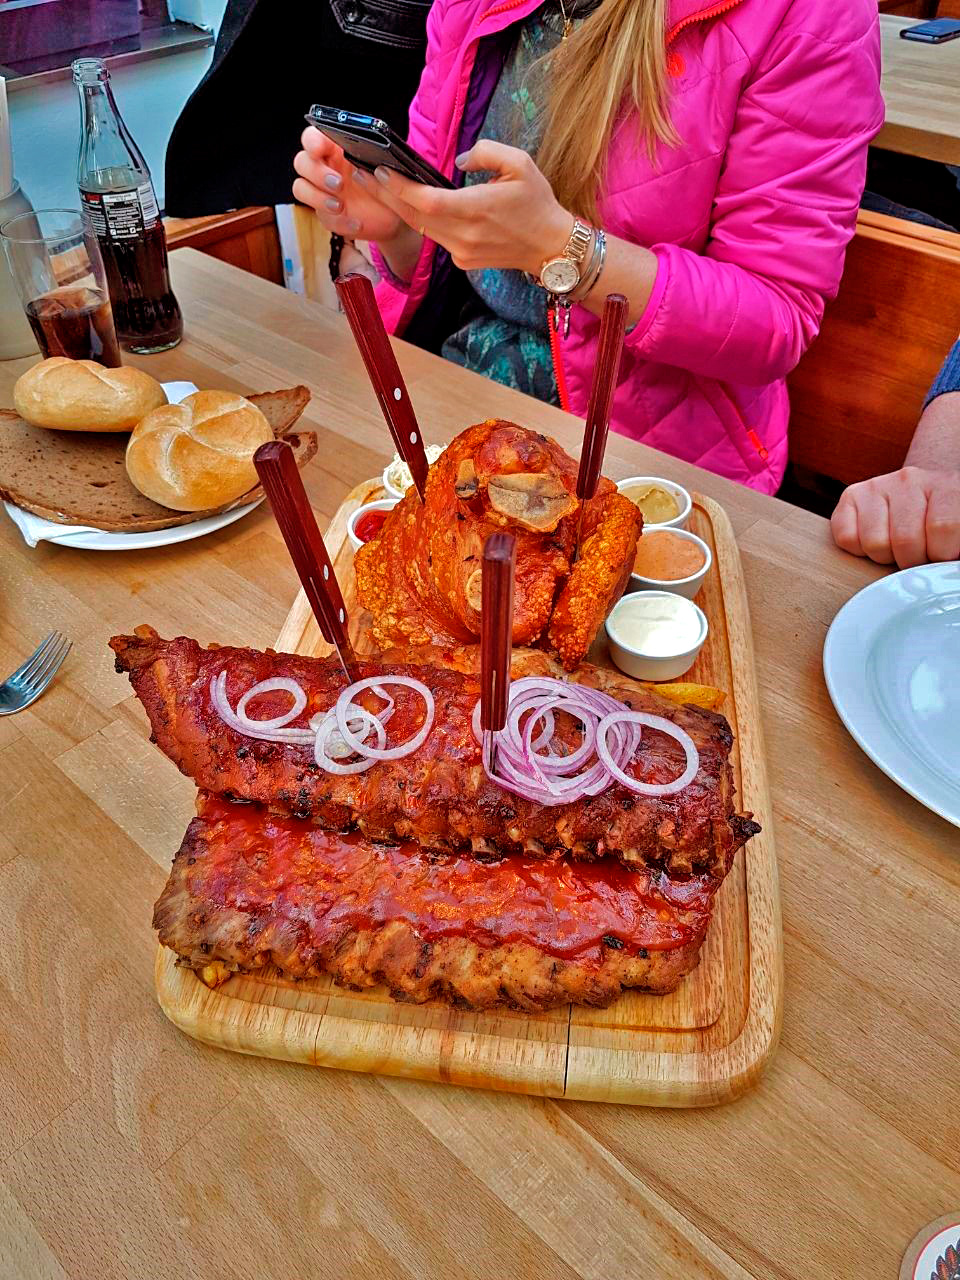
615, 60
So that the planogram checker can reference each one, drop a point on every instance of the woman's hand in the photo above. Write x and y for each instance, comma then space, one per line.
328, 184
909, 517
513, 220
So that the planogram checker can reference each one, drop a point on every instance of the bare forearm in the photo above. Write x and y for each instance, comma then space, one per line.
936, 441
629, 269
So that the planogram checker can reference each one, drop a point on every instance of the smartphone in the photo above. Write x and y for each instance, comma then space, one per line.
368, 142
935, 32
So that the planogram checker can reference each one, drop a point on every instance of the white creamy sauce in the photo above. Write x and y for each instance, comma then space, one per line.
657, 625
399, 473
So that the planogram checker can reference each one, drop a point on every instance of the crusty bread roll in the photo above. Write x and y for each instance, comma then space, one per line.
199, 453
81, 395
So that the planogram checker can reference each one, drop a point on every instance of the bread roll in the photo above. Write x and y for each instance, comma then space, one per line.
199, 453
81, 395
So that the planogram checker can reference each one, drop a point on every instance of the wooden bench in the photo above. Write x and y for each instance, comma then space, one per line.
922, 10
857, 393
919, 9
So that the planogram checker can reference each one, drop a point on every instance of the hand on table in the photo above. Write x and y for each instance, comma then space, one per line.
908, 517
512, 220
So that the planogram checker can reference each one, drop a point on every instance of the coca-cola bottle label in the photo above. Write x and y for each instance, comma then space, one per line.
121, 215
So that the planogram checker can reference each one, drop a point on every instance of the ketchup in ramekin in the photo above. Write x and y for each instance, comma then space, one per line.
369, 525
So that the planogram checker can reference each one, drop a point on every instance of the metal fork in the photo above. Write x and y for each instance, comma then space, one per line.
30, 680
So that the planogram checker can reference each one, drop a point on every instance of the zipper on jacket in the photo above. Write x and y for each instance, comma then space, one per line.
761, 450
558, 372
502, 8
714, 11
757, 443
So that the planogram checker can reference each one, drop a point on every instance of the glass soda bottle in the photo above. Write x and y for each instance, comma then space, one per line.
119, 205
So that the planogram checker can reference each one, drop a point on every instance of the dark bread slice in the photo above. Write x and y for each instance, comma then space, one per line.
74, 477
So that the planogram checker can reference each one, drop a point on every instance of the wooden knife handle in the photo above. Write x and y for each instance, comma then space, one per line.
496, 628
360, 307
609, 349
277, 468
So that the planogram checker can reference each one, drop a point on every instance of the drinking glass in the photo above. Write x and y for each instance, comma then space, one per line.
59, 274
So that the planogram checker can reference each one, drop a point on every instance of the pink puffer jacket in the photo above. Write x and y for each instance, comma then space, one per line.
775, 102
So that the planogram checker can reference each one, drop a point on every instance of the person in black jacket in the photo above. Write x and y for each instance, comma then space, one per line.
271, 62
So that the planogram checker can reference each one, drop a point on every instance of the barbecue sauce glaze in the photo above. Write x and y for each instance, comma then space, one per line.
325, 882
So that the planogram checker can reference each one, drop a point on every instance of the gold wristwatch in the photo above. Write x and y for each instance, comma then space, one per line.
560, 276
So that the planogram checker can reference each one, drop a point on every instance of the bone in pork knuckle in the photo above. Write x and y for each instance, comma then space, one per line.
419, 577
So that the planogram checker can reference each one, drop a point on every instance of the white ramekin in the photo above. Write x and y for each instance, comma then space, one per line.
382, 504
678, 586
646, 666
678, 491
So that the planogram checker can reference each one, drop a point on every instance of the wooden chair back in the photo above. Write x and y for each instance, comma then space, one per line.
919, 9
246, 238
858, 392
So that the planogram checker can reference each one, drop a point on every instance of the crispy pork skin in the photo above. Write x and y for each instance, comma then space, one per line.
420, 575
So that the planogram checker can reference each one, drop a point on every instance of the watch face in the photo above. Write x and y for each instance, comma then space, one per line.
560, 275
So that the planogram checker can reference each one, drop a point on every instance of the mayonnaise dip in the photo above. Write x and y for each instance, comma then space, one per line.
398, 473
658, 624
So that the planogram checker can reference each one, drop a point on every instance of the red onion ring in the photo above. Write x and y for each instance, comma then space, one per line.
250, 728
551, 763
611, 737
375, 683
272, 686
329, 727
653, 722
334, 746
525, 697
341, 730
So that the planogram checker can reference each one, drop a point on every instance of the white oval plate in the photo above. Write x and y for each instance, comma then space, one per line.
101, 540
892, 665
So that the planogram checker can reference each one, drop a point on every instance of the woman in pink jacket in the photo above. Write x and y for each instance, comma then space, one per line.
707, 162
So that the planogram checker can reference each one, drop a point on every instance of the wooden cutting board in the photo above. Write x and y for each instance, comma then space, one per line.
705, 1043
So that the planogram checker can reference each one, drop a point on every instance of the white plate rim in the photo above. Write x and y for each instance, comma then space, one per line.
854, 703
105, 540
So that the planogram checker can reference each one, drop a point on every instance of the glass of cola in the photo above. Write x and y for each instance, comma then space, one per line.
56, 263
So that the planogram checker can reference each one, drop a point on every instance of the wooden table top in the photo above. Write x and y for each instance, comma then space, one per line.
921, 89
129, 1150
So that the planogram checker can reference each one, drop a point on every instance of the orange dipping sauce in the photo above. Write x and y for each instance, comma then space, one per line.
666, 557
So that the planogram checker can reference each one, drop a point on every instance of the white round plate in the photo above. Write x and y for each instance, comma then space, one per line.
101, 540
892, 665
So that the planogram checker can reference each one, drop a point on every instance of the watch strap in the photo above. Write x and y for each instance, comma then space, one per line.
582, 241
593, 270
581, 238
575, 250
